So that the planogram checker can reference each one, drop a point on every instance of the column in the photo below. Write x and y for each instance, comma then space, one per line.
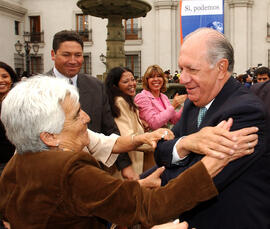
240, 13
115, 43
165, 34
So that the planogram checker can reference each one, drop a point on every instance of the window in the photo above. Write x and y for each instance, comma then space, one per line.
131, 29
86, 67
17, 24
35, 29
133, 62
82, 27
36, 64
18, 64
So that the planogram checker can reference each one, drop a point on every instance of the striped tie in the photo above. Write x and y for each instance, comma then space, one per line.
201, 115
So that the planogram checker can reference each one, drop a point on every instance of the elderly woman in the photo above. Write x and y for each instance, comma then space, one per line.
51, 183
154, 106
7, 78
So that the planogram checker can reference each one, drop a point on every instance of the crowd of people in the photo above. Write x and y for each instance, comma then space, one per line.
253, 75
79, 153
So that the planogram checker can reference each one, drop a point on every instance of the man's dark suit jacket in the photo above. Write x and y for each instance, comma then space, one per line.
94, 101
263, 91
244, 185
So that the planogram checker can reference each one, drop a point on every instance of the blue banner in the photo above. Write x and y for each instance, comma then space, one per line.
201, 13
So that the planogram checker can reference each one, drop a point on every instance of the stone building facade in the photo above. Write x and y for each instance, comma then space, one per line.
153, 39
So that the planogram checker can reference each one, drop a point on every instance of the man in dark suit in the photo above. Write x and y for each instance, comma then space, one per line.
206, 62
262, 90
67, 54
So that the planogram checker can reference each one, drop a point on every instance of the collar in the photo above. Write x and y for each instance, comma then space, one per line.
207, 106
60, 75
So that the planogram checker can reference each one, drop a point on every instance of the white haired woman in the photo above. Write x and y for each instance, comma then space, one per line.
51, 183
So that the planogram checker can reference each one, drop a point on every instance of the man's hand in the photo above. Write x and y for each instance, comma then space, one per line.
219, 142
153, 180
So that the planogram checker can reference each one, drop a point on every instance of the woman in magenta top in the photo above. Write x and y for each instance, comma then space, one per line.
154, 106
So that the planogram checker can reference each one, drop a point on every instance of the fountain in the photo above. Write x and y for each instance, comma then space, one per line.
115, 11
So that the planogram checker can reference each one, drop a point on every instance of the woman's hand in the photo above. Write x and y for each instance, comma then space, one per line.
178, 100
153, 180
151, 138
173, 225
128, 143
219, 142
244, 142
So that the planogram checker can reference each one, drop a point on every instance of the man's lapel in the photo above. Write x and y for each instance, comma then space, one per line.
228, 89
189, 117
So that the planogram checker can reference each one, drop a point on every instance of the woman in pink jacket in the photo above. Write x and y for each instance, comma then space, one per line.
154, 107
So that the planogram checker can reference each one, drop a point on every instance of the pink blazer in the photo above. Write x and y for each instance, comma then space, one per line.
153, 112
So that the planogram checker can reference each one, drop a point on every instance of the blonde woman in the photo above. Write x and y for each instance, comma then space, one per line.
154, 106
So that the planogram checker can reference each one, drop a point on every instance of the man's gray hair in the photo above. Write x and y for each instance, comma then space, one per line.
218, 47
32, 107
